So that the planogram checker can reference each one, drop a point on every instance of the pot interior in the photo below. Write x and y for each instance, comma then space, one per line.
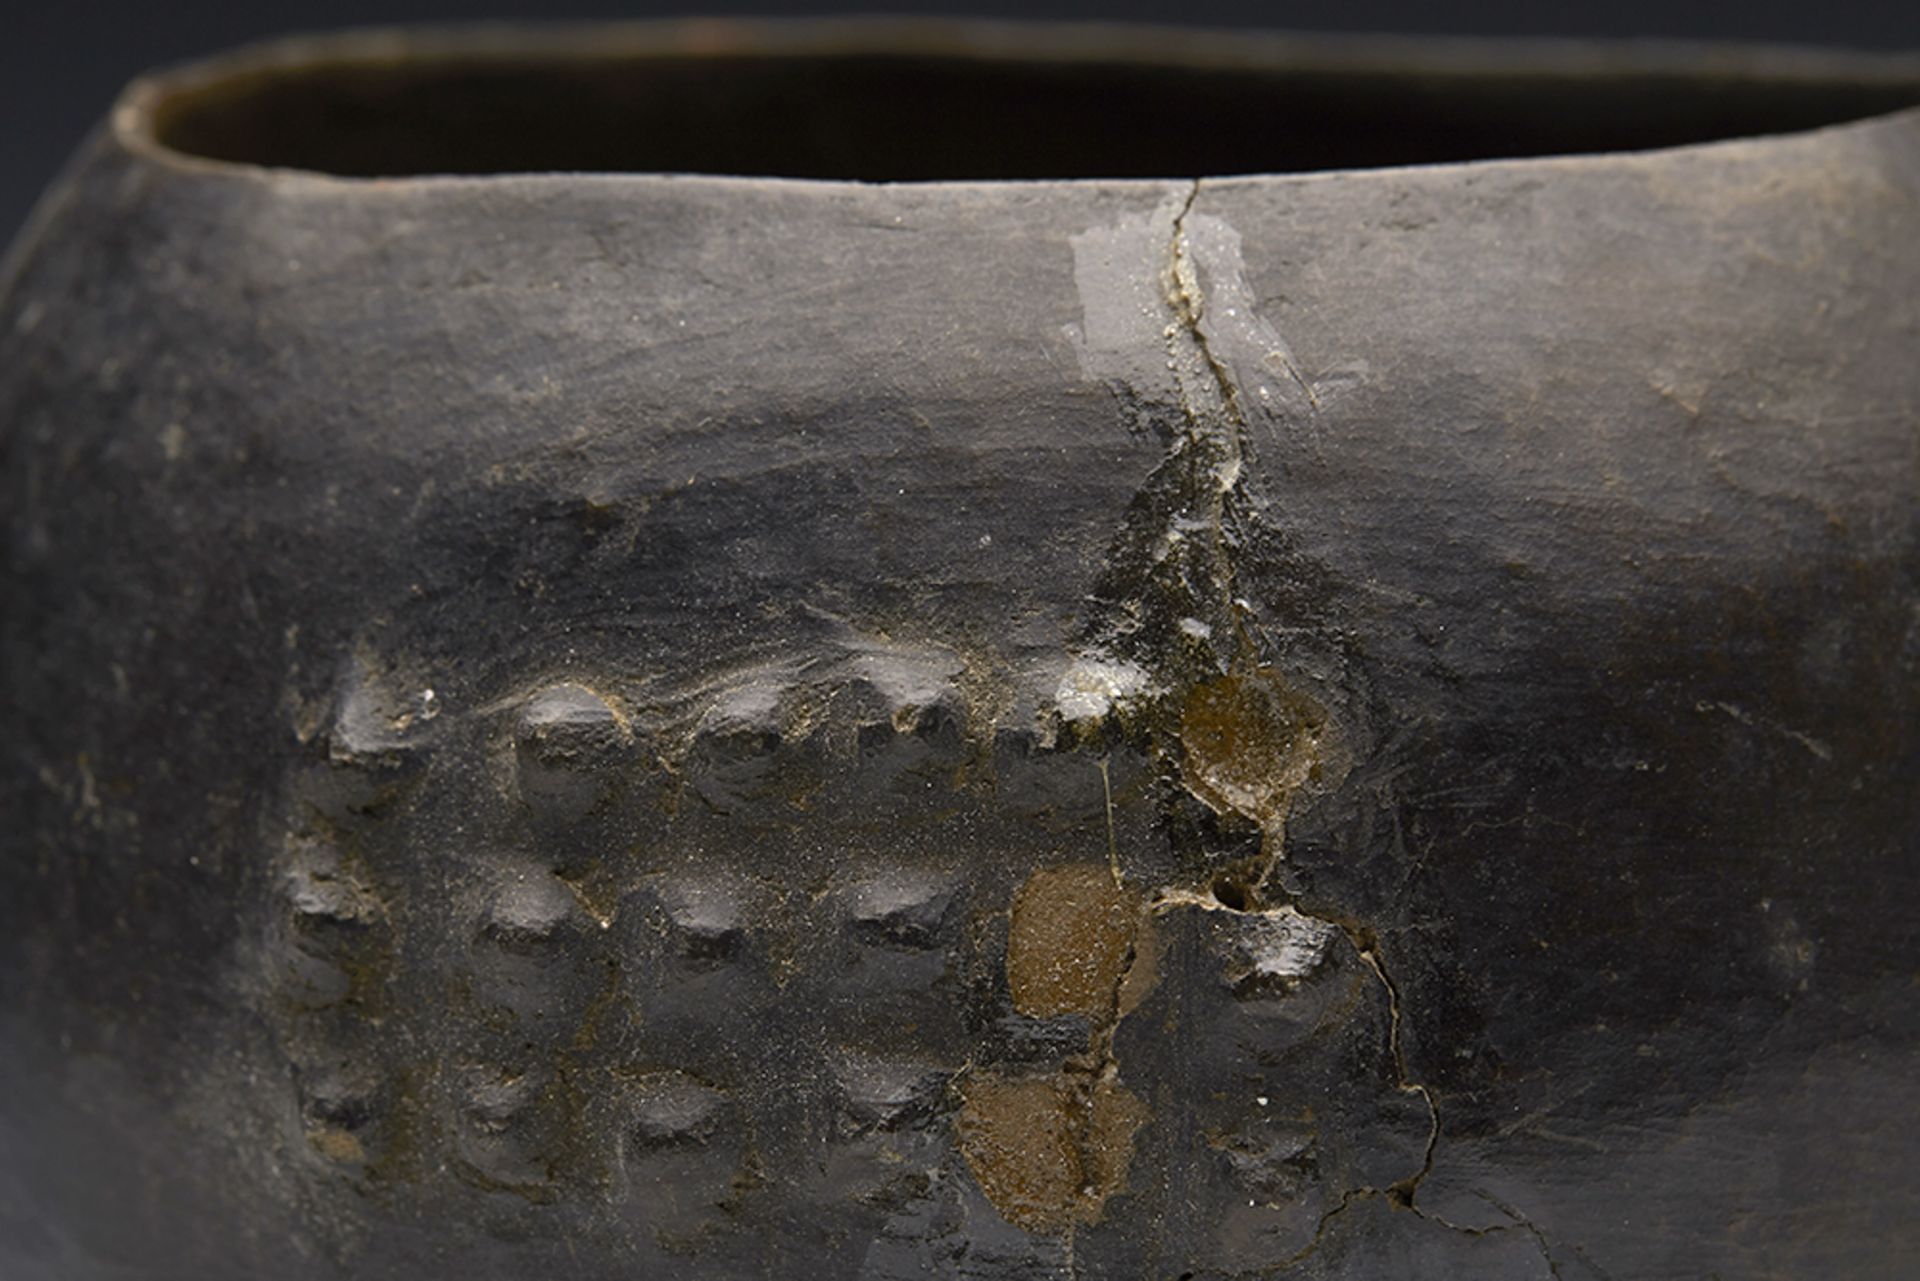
959, 113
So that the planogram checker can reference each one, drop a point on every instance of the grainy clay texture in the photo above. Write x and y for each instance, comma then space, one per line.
1362, 722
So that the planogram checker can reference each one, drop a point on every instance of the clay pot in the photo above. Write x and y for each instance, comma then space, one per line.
964, 702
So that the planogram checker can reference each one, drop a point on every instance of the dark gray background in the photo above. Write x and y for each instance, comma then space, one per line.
62, 62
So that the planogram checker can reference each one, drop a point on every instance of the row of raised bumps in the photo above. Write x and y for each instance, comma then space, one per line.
681, 947
582, 997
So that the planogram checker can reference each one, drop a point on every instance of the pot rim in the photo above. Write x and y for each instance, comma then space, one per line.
139, 117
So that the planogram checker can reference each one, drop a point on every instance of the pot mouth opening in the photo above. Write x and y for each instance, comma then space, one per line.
935, 102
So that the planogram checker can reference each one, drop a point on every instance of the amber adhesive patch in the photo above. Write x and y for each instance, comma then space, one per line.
1070, 942
1251, 741
1048, 1151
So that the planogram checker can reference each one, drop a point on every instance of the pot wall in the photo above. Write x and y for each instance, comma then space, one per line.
1363, 721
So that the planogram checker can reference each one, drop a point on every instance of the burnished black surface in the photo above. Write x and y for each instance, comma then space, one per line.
1357, 724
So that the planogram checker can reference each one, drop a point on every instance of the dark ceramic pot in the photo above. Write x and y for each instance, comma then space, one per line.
1358, 722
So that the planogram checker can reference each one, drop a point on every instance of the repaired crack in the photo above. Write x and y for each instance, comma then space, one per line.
1240, 734
1218, 419
1188, 299
1355, 1196
1405, 1189
1523, 1223
1401, 1192
1215, 425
